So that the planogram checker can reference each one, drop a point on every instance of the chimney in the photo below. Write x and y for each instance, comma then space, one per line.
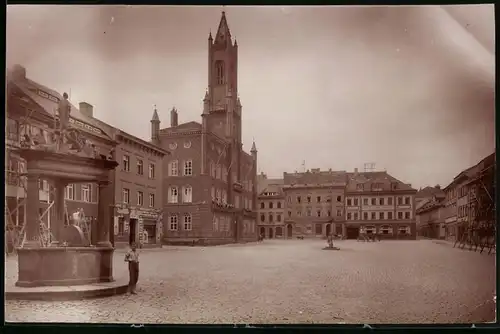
18, 72
174, 118
86, 109
437, 186
355, 171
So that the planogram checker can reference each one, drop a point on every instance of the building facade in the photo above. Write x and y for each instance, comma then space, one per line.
344, 203
270, 207
138, 192
209, 180
314, 203
461, 195
379, 203
431, 218
423, 197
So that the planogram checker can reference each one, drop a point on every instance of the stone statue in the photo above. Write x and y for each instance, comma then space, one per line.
64, 110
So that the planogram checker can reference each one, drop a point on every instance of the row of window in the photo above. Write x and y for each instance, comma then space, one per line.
459, 192
354, 201
187, 222
271, 218
309, 199
384, 229
270, 205
173, 168
69, 193
381, 215
319, 213
140, 198
187, 194
376, 186
381, 201
140, 166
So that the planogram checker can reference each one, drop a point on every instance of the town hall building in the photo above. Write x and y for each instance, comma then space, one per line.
209, 181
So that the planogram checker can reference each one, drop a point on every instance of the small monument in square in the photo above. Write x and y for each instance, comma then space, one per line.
329, 240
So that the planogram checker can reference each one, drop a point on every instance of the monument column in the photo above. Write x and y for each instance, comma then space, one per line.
103, 216
32, 204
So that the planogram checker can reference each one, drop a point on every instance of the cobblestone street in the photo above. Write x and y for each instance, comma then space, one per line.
290, 281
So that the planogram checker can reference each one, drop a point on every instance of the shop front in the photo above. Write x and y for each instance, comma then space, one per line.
151, 231
137, 225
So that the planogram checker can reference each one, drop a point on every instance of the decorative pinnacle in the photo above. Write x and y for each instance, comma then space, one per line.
155, 117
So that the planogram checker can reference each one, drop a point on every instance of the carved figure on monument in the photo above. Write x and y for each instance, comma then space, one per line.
74, 233
64, 110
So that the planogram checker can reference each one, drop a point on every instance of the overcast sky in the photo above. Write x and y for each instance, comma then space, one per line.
408, 88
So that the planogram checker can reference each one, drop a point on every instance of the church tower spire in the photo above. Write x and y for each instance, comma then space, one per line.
223, 65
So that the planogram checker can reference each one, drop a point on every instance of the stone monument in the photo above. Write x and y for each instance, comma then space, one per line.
69, 260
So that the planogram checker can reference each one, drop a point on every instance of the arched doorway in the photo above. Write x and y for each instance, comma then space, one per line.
263, 231
328, 229
271, 233
279, 231
289, 230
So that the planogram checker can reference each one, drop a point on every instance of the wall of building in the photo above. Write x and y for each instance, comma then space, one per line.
271, 215
146, 214
311, 209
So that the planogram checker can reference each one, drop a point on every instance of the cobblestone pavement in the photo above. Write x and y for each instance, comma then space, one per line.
290, 281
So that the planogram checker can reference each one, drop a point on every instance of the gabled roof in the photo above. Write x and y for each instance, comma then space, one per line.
367, 179
422, 204
430, 204
270, 186
428, 192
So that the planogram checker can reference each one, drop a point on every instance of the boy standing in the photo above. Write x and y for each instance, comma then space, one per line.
132, 257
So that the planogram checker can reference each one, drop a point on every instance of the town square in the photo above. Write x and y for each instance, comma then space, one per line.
250, 165
290, 281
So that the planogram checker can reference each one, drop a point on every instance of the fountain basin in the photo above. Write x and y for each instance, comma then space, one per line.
64, 266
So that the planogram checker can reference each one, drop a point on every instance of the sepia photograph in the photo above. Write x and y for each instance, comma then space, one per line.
250, 164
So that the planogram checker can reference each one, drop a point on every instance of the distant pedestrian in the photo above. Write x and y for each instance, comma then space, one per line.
132, 257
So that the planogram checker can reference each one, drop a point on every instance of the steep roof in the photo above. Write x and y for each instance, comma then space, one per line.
383, 180
428, 192
270, 186
315, 177
429, 204
223, 32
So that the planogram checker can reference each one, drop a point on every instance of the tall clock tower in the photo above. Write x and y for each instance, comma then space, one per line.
223, 102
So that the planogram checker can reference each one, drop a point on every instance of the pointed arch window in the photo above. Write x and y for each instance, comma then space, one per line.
219, 72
